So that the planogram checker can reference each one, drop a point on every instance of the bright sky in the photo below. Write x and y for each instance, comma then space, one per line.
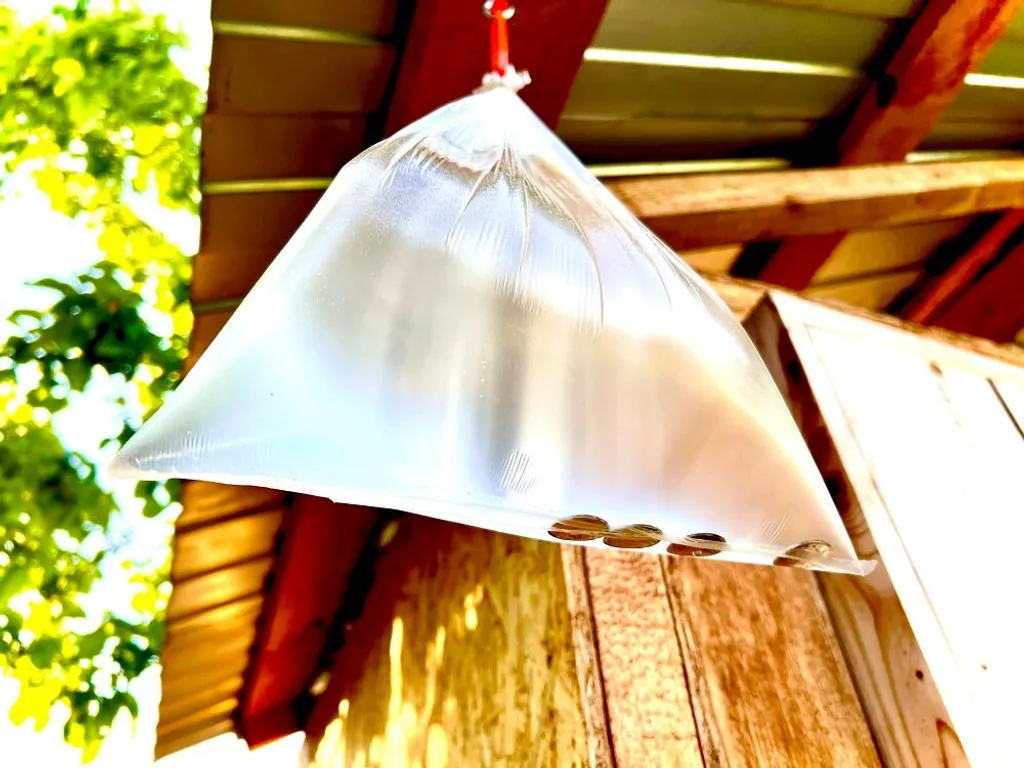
41, 243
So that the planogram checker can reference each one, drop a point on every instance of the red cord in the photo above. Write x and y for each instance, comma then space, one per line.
499, 36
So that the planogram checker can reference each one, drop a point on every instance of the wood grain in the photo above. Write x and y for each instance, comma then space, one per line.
588, 662
924, 74
908, 719
644, 680
718, 209
464, 651
957, 452
768, 682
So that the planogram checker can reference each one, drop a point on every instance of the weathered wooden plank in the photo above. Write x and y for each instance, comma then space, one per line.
588, 662
719, 209
741, 296
946, 41
463, 656
767, 680
957, 458
908, 720
446, 54
645, 684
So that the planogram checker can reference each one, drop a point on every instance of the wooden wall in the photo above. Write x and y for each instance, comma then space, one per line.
481, 649
463, 657
919, 435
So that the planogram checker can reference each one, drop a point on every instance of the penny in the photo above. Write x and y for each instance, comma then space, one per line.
579, 528
698, 545
804, 555
633, 537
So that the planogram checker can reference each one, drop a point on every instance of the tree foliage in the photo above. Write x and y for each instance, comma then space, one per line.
94, 109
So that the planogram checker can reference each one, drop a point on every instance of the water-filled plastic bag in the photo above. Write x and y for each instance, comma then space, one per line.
470, 326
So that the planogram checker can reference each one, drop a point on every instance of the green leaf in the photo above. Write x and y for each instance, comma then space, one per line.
92, 644
30, 314
131, 704
91, 100
56, 285
44, 651
77, 371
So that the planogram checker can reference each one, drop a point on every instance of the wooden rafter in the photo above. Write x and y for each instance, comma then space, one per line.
935, 295
446, 54
993, 307
704, 211
947, 41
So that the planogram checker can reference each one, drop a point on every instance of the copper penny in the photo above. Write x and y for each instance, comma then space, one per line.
633, 537
694, 545
579, 528
804, 555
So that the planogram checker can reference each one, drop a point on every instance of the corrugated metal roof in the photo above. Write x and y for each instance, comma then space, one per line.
757, 77
223, 551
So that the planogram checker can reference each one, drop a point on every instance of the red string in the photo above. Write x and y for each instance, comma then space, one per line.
499, 36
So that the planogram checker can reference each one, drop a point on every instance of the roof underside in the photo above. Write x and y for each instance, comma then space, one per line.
298, 88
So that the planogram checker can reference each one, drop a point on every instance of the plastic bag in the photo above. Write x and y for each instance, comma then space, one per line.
470, 326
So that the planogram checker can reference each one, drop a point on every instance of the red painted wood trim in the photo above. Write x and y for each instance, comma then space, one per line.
797, 259
993, 307
947, 40
270, 726
930, 301
322, 542
447, 54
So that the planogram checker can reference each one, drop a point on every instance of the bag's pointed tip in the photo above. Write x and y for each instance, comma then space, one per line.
124, 466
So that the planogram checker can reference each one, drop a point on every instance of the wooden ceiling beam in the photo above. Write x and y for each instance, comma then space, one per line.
936, 294
946, 41
993, 307
704, 211
446, 54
